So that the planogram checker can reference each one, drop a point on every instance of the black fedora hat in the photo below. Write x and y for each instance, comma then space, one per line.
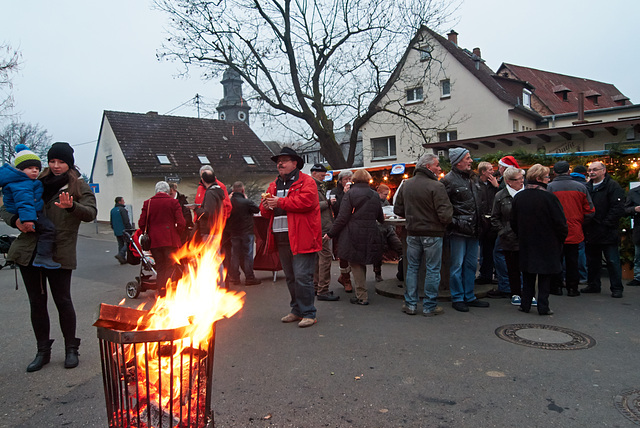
288, 151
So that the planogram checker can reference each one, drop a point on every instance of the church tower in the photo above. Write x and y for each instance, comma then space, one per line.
232, 106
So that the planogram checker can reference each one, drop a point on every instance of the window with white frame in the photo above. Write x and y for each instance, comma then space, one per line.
163, 159
447, 136
109, 165
526, 98
414, 95
445, 88
204, 160
516, 126
384, 148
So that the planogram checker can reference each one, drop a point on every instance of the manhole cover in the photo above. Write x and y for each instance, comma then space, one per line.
628, 403
545, 336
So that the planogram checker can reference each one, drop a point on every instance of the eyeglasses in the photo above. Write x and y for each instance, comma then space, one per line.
594, 169
516, 179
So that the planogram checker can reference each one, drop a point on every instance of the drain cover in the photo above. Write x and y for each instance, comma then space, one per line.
628, 403
545, 337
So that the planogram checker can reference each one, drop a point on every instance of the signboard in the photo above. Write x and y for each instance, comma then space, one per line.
95, 187
397, 168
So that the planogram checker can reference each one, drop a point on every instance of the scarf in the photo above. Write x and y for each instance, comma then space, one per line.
52, 185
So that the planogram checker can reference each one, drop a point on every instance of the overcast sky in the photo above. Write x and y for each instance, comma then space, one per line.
80, 58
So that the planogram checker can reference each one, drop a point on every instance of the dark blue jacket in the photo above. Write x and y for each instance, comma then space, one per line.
21, 194
119, 219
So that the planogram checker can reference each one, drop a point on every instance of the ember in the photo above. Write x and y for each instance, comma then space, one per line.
157, 365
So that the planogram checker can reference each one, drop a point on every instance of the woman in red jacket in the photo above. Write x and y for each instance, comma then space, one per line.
162, 219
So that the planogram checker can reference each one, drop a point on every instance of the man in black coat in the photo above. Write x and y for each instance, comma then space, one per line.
240, 229
601, 233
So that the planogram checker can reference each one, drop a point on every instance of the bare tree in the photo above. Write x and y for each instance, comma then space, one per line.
33, 136
9, 62
309, 64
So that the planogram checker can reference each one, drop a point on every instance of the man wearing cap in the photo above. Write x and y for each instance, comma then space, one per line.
577, 205
292, 206
322, 274
601, 233
463, 231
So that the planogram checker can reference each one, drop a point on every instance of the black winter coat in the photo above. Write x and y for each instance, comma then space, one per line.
240, 221
463, 194
359, 239
538, 220
486, 195
608, 200
501, 221
633, 200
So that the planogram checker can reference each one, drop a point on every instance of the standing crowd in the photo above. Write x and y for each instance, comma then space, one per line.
534, 235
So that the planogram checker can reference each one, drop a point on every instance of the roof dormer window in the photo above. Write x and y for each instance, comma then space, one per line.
592, 96
163, 159
562, 92
249, 160
526, 98
204, 160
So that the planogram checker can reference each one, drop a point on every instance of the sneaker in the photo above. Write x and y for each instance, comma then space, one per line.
408, 309
329, 297
633, 282
515, 300
437, 311
307, 322
534, 302
357, 301
291, 318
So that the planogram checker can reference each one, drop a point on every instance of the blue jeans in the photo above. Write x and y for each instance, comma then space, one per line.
502, 272
122, 247
636, 263
428, 248
298, 271
582, 262
241, 257
464, 259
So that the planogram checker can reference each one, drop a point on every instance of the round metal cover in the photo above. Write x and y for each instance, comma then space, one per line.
545, 337
628, 403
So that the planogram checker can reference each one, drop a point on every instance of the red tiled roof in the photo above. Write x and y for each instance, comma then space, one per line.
549, 88
144, 136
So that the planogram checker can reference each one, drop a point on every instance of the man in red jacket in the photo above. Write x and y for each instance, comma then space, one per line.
576, 203
292, 206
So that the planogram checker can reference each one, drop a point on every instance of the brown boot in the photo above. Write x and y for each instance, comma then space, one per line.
345, 280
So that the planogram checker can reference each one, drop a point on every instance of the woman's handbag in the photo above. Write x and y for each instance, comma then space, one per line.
145, 240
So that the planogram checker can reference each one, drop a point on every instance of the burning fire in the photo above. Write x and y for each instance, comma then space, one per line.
193, 303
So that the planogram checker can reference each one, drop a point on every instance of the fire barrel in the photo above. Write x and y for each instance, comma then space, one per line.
153, 378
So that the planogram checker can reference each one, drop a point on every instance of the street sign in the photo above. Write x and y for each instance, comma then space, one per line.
95, 187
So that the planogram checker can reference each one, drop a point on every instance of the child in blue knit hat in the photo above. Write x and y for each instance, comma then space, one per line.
22, 195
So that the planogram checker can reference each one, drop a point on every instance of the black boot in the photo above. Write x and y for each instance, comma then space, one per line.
71, 353
42, 357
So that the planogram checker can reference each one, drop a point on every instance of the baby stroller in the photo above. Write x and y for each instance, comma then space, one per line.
146, 280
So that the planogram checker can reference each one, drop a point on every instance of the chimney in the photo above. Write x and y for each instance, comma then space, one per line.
152, 113
347, 128
476, 52
453, 37
580, 110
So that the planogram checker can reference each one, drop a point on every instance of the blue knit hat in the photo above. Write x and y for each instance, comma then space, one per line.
456, 155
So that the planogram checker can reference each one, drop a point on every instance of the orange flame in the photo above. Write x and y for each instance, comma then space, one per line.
195, 302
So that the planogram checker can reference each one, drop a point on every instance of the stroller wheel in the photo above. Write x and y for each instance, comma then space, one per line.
132, 289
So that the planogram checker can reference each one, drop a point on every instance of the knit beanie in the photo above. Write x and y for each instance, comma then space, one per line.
561, 167
26, 158
62, 151
456, 155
